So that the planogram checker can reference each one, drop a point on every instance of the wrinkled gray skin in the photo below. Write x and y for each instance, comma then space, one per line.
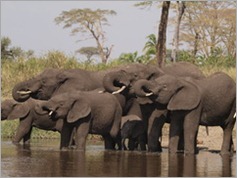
122, 82
87, 112
55, 81
25, 112
132, 127
208, 102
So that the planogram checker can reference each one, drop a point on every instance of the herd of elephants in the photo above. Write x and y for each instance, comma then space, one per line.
131, 102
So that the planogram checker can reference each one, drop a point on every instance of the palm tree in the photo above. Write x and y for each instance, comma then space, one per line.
150, 46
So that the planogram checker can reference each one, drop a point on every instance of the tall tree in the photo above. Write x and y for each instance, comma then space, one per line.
87, 21
180, 7
161, 43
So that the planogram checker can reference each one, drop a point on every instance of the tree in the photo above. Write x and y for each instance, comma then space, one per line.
6, 53
180, 7
88, 52
161, 43
150, 45
87, 21
208, 26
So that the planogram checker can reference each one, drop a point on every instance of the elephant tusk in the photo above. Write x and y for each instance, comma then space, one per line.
149, 94
234, 115
120, 90
101, 91
24, 92
50, 113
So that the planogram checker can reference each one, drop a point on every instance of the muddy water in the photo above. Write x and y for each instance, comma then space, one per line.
43, 158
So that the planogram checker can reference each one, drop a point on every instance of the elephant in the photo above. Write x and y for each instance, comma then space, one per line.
87, 112
132, 127
122, 82
55, 81
25, 112
209, 102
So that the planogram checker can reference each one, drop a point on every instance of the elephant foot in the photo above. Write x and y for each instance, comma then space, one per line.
226, 153
155, 148
16, 142
64, 148
187, 153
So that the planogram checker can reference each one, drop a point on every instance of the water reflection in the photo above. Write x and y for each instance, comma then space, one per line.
46, 160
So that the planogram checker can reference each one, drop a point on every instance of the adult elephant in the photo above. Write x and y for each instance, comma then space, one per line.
86, 112
55, 81
122, 82
209, 102
25, 112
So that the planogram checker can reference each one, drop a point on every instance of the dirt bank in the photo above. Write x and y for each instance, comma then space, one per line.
213, 141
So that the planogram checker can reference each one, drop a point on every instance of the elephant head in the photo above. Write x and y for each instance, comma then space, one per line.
118, 81
65, 106
176, 93
40, 87
11, 109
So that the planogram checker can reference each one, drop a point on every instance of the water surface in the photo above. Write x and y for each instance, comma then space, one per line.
43, 158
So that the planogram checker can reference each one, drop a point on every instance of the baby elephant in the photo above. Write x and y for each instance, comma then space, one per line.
132, 127
25, 112
87, 112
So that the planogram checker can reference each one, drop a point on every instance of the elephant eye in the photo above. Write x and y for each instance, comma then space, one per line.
165, 87
43, 81
61, 104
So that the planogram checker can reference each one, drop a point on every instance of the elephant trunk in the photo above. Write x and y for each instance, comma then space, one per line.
42, 108
115, 82
22, 92
143, 87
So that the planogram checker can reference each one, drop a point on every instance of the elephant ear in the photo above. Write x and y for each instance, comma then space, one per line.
78, 111
61, 77
187, 97
20, 110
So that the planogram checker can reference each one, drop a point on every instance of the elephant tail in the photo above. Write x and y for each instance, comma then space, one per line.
207, 130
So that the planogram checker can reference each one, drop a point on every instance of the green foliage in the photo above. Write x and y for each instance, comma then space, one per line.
12, 53
150, 45
133, 58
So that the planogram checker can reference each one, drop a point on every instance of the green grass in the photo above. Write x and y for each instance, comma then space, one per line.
21, 69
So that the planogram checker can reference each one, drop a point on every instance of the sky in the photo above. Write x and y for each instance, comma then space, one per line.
30, 25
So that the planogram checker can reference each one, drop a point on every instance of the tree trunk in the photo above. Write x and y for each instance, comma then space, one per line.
161, 43
180, 10
195, 48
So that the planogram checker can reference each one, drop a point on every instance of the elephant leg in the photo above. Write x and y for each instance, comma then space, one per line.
81, 135
26, 138
66, 135
132, 144
227, 143
142, 142
155, 125
191, 125
23, 129
176, 126
109, 142
181, 141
